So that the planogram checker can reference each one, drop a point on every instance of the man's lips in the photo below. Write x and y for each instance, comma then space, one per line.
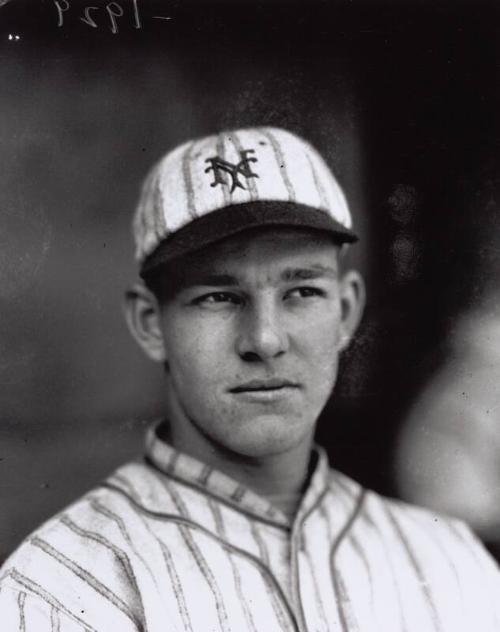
272, 384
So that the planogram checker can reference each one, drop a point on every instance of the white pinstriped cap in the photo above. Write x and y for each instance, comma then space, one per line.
217, 186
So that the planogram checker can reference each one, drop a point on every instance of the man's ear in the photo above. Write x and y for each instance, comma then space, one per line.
143, 317
352, 303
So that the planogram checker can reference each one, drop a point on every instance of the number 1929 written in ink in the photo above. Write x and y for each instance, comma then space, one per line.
93, 16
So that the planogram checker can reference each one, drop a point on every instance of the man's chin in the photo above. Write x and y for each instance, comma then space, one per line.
269, 435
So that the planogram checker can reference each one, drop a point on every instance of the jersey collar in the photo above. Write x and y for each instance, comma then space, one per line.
197, 475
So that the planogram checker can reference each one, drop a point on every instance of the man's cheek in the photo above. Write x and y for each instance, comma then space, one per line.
323, 348
325, 367
322, 331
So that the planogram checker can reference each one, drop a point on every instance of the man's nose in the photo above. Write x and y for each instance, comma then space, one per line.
262, 335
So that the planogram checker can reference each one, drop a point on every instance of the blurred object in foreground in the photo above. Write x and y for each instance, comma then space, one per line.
448, 454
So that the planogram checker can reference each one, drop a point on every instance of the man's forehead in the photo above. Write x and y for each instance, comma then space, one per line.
289, 254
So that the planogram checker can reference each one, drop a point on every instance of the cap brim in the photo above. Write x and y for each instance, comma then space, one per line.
234, 219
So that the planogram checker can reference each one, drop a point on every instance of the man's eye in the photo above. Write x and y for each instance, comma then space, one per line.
305, 292
218, 298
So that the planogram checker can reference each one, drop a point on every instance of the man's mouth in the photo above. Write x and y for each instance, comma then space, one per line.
273, 384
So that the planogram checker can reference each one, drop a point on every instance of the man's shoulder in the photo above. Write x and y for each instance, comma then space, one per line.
429, 562
423, 537
96, 525
374, 508
90, 547
408, 522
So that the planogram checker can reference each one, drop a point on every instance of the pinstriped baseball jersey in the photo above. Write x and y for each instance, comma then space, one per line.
171, 544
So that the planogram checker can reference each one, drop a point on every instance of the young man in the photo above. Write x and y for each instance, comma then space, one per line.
234, 520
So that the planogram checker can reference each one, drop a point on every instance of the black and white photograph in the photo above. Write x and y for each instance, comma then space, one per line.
249, 316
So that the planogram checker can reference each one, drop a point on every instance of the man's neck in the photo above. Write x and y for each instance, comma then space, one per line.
277, 477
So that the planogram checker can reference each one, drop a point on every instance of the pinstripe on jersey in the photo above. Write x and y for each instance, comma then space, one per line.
170, 544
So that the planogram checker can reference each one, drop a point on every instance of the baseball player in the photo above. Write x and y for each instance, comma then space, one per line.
233, 520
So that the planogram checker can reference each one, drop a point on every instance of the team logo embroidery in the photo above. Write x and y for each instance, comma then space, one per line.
242, 168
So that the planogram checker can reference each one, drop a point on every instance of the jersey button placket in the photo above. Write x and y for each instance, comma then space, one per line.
297, 552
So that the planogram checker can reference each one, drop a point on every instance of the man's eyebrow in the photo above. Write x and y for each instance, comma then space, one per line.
288, 275
315, 271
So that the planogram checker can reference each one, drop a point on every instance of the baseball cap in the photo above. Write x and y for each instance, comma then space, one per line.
214, 187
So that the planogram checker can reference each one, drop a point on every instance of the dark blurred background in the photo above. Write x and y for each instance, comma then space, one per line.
401, 98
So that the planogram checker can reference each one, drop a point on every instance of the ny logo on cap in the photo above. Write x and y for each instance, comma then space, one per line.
241, 168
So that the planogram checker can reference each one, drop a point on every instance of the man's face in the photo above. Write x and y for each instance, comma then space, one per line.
251, 340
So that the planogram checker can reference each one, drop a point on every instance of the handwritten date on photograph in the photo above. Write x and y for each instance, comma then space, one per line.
107, 15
